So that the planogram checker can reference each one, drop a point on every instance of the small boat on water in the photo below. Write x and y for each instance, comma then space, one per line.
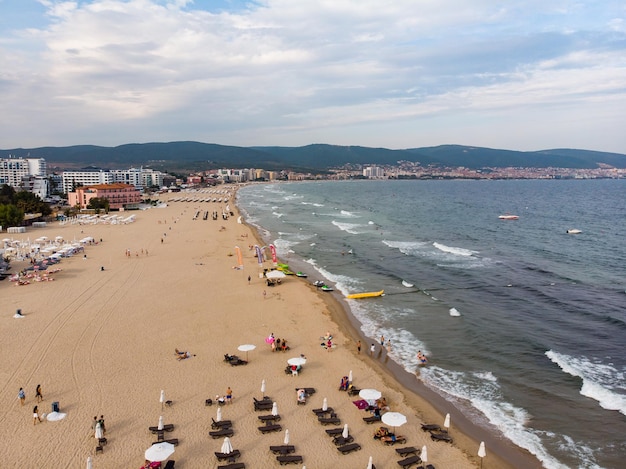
574, 231
326, 288
301, 274
508, 217
370, 294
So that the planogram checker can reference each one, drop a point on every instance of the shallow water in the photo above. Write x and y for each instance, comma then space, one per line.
524, 325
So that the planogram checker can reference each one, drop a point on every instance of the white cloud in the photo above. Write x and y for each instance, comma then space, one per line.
336, 71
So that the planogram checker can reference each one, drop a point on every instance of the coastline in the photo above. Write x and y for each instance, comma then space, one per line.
429, 406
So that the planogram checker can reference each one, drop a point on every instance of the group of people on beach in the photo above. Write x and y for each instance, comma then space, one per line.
21, 395
183, 355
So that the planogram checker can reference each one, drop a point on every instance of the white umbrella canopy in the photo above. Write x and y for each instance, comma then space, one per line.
345, 433
227, 447
286, 440
370, 463
370, 394
218, 417
325, 405
275, 275
394, 419
98, 432
159, 451
246, 348
446, 422
424, 454
298, 361
160, 425
274, 409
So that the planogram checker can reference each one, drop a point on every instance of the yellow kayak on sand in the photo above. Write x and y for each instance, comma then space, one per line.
366, 294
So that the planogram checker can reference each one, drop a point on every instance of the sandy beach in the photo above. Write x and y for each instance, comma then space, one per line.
102, 342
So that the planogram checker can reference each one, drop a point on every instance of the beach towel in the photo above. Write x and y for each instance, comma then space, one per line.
361, 404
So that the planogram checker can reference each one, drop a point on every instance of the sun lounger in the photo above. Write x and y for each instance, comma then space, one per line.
291, 459
319, 412
307, 391
410, 461
349, 448
269, 418
283, 449
173, 441
334, 431
169, 464
372, 419
407, 450
270, 428
221, 423
234, 454
352, 391
397, 439
222, 432
238, 362
329, 420
431, 427
263, 407
167, 428
235, 465
441, 437
341, 441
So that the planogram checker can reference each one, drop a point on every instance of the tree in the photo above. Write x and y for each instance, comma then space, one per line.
10, 215
31, 203
98, 203
7, 194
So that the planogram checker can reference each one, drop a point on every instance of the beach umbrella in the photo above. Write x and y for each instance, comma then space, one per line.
394, 419
89, 463
370, 463
482, 452
350, 377
274, 409
263, 388
275, 275
345, 432
298, 361
370, 394
325, 405
424, 454
218, 418
246, 348
227, 447
162, 399
286, 440
446, 422
160, 425
159, 451
98, 433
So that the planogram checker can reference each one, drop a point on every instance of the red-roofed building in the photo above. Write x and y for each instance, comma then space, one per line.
120, 196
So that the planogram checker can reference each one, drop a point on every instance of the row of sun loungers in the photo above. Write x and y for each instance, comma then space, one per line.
437, 433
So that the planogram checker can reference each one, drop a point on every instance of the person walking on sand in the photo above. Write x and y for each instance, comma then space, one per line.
38, 394
21, 395
358, 346
372, 350
249, 278
36, 416
101, 422
229, 395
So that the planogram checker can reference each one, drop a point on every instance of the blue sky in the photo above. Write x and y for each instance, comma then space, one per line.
520, 75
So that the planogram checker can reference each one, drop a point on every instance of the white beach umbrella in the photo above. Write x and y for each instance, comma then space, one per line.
370, 394
89, 463
275, 275
263, 387
350, 376
98, 432
227, 447
286, 440
446, 422
395, 419
298, 361
159, 451
345, 433
370, 463
162, 399
325, 405
246, 348
482, 452
160, 425
274, 409
424, 454
218, 418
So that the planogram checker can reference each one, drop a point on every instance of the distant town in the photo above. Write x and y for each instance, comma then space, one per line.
98, 190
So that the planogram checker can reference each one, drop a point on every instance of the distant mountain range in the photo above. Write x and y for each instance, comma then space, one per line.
191, 156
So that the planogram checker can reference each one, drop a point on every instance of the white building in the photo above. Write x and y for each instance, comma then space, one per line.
14, 170
71, 179
138, 177
373, 172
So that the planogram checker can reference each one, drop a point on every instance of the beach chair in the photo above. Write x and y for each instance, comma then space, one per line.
410, 461
235, 465
169, 464
349, 448
102, 441
341, 441
371, 419
238, 362
99, 449
221, 423
270, 428
172, 441
319, 412
329, 420
407, 450
334, 431
393, 441
232, 456
430, 427
441, 437
290, 459
269, 418
166, 428
221, 433
307, 391
352, 391
283, 449
208, 402
263, 405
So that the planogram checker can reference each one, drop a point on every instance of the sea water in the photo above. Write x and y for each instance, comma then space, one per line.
524, 324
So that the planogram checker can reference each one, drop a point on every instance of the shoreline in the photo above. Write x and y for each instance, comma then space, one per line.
429, 406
